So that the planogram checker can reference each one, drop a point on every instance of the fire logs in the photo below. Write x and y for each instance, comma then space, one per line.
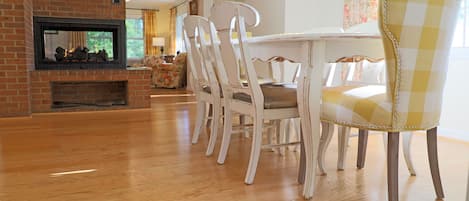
80, 54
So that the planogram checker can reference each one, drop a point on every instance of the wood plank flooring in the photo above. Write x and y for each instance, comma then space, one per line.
146, 155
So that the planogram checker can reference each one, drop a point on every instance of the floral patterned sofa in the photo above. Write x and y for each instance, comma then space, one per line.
168, 75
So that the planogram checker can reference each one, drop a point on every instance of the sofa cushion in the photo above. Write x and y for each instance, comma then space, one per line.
152, 61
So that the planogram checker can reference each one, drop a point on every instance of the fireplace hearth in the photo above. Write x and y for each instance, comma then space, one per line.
72, 43
88, 94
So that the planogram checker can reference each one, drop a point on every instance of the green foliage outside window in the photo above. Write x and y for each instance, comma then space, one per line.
134, 38
98, 40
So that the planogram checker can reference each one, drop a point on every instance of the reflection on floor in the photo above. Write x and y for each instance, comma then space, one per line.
164, 91
135, 155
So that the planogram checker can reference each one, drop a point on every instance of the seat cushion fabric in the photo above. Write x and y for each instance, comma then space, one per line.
357, 106
207, 89
275, 96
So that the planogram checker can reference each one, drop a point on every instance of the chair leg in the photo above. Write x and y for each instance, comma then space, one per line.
467, 186
362, 144
225, 143
284, 132
199, 120
406, 141
210, 115
343, 138
433, 158
302, 166
385, 142
255, 150
271, 135
393, 166
326, 137
278, 138
242, 122
298, 132
295, 123
216, 108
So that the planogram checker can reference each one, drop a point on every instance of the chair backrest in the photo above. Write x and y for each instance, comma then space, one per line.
195, 29
230, 17
357, 73
417, 36
366, 73
209, 51
358, 70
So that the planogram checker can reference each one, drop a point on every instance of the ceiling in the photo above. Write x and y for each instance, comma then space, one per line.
151, 4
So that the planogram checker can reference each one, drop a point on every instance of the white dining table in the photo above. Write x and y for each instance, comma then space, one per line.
312, 51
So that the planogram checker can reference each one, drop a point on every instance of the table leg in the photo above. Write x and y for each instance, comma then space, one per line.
312, 90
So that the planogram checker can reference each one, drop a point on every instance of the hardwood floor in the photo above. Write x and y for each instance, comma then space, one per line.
146, 155
156, 92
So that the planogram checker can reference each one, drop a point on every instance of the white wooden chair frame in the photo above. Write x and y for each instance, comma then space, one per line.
202, 77
226, 16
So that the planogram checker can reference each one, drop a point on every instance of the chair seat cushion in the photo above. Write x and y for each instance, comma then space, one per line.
207, 89
261, 81
357, 106
275, 96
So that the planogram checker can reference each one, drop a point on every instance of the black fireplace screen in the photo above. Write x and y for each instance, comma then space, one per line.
62, 43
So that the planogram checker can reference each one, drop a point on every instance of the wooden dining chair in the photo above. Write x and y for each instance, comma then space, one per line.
353, 71
206, 86
261, 102
417, 38
366, 71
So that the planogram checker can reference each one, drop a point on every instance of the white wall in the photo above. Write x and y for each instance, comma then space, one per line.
286, 16
327, 13
162, 21
272, 16
303, 15
204, 7
454, 120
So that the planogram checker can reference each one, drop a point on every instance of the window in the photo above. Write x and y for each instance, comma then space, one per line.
100, 40
179, 38
135, 44
461, 34
181, 12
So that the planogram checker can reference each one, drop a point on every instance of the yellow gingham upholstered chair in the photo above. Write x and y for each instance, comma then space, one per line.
417, 36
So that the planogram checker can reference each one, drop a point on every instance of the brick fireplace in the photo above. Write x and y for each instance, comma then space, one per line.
25, 89
90, 94
137, 87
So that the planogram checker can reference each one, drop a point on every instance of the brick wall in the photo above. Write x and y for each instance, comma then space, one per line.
15, 60
138, 86
24, 90
94, 9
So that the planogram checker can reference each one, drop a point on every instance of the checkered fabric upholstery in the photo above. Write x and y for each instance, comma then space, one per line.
417, 36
